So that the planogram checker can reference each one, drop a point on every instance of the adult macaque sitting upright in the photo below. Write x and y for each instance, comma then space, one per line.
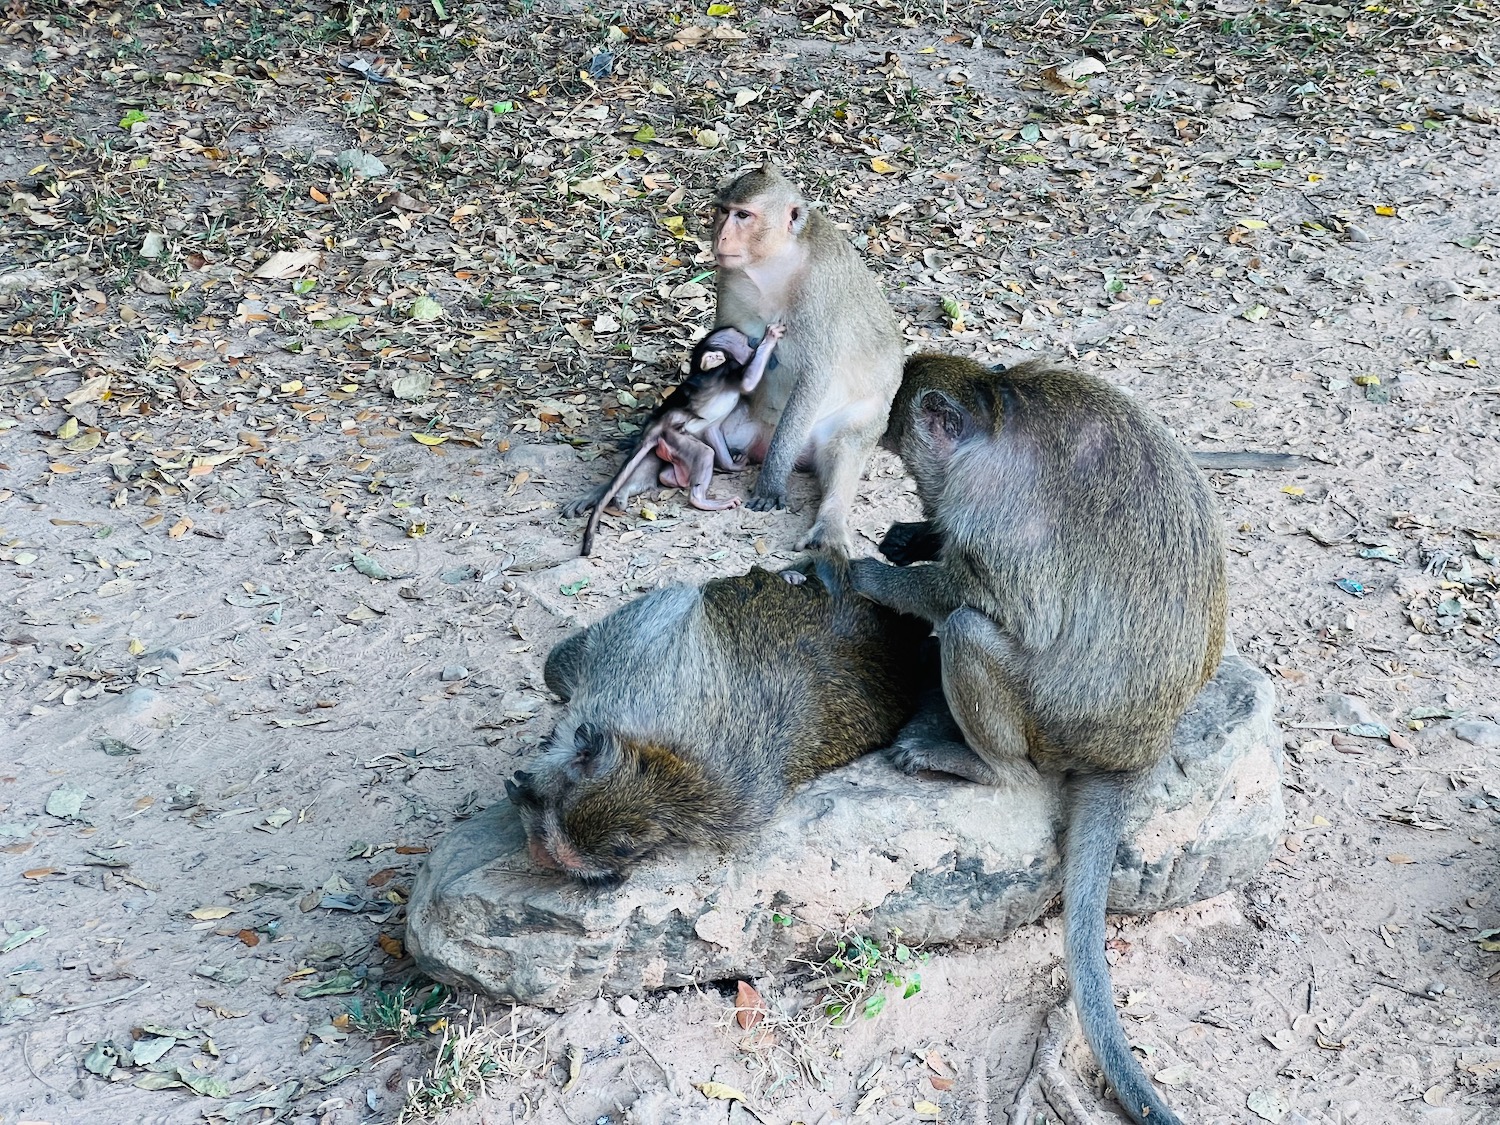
824, 402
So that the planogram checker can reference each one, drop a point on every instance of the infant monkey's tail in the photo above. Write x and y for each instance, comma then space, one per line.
1096, 821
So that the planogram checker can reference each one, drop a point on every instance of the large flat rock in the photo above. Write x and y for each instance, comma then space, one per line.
941, 860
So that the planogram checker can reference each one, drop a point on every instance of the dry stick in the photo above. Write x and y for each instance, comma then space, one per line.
1408, 991
102, 1001
650, 1054
26, 1058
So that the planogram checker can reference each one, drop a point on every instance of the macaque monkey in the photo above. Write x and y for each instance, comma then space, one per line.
691, 712
686, 432
1078, 595
824, 405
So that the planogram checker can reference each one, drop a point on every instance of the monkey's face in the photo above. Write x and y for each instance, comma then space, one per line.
720, 346
596, 808
709, 359
755, 226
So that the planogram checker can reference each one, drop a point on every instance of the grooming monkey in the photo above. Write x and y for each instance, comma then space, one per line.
824, 406
1078, 594
685, 431
691, 712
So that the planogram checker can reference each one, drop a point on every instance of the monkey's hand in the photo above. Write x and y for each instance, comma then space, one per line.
776, 331
907, 543
580, 504
924, 591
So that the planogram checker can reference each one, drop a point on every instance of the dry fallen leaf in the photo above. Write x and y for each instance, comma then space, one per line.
285, 263
720, 1091
211, 913
749, 1008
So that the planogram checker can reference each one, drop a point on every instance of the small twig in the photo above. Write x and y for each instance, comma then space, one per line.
26, 1058
1408, 991
650, 1054
103, 1000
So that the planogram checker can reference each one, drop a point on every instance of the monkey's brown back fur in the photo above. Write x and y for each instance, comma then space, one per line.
1084, 530
713, 703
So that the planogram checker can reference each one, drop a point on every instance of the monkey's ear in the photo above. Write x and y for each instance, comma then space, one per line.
710, 359
594, 753
945, 421
796, 217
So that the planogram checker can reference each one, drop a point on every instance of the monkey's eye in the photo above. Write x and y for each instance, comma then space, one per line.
743, 215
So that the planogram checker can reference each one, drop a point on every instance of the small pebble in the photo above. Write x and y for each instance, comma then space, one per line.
1357, 233
455, 672
628, 1005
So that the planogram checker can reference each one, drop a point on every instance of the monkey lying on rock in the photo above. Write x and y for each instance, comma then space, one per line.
1078, 592
691, 712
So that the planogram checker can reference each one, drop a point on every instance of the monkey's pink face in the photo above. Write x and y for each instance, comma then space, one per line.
746, 233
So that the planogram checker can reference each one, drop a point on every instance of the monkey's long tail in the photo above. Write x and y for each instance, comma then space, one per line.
1095, 824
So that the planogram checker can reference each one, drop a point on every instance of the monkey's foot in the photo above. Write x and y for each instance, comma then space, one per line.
830, 540
921, 750
708, 503
767, 502
1047, 1081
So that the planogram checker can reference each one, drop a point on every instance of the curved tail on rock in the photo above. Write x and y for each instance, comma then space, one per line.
1094, 827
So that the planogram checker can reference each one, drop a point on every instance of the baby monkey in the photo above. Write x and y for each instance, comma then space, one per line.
686, 430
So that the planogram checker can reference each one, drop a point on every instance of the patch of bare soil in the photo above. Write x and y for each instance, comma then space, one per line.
314, 315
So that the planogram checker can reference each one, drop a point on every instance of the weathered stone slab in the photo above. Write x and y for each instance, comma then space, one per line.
941, 860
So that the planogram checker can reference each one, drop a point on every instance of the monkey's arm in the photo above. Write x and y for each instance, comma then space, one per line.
923, 591
907, 543
753, 373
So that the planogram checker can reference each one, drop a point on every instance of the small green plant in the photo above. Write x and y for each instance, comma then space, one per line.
860, 971
785, 1040
404, 1012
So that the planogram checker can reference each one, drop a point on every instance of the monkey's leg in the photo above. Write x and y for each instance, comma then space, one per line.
841, 444
693, 459
723, 459
983, 686
744, 432
793, 433
1047, 1079
674, 475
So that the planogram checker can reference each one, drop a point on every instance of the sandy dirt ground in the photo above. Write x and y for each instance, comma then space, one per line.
280, 555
